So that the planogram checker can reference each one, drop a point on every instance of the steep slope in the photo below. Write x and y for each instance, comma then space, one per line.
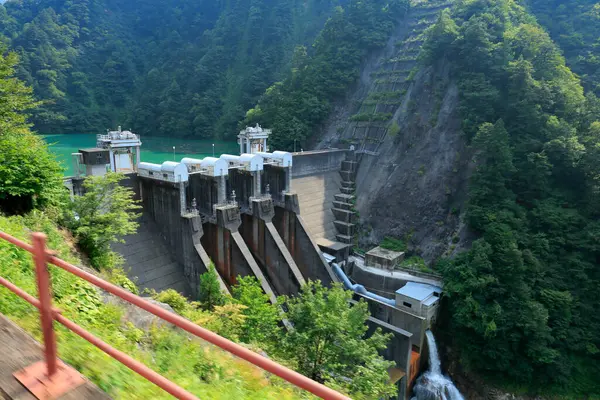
488, 145
406, 128
148, 260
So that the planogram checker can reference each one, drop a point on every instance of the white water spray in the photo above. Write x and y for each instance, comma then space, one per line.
432, 385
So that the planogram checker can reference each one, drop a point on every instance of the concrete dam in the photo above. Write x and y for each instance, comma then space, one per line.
283, 218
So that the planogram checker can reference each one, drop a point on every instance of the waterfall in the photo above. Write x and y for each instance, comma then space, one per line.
432, 385
434, 358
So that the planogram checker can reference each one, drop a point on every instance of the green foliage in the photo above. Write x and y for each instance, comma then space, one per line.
261, 316
196, 366
296, 106
416, 263
210, 294
521, 299
327, 343
117, 276
393, 244
393, 129
170, 68
439, 37
371, 117
29, 174
104, 214
171, 297
575, 26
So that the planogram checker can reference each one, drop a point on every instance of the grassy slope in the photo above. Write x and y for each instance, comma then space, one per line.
201, 369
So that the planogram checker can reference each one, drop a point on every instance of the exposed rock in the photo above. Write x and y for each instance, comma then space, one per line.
140, 318
415, 186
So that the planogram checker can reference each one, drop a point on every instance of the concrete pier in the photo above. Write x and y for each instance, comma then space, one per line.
302, 247
229, 252
268, 248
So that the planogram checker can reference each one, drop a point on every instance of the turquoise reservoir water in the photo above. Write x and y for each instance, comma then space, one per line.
154, 149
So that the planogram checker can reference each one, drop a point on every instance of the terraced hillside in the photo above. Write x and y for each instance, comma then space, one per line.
402, 117
368, 128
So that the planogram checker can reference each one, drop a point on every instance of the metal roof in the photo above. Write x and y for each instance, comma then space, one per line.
418, 291
430, 300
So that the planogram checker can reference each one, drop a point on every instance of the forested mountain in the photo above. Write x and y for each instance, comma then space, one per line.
575, 26
161, 67
522, 297
497, 99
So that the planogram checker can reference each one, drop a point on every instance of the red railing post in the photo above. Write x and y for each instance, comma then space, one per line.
45, 297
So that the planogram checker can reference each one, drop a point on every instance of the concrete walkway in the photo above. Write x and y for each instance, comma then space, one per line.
395, 274
19, 350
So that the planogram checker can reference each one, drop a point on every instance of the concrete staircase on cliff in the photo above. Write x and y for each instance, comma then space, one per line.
343, 205
327, 207
369, 127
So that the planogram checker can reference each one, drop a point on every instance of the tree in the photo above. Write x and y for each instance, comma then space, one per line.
296, 106
210, 294
440, 37
262, 316
490, 182
29, 174
105, 213
328, 342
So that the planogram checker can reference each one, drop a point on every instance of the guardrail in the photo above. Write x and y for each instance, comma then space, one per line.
56, 377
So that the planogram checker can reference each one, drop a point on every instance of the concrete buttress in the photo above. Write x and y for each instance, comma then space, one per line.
302, 247
268, 248
229, 252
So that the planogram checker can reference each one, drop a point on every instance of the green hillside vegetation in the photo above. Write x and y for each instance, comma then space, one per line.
200, 368
575, 26
160, 67
247, 317
523, 300
296, 106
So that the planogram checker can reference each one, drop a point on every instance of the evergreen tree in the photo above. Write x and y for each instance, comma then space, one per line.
529, 278
210, 291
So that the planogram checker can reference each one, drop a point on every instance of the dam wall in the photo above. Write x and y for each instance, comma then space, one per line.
318, 162
316, 194
148, 260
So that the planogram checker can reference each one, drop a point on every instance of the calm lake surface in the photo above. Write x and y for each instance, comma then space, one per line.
154, 149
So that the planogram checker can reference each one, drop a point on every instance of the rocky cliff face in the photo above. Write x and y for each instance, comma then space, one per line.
403, 120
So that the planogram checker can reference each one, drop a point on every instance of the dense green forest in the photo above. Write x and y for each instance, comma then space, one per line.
575, 26
523, 300
172, 68
296, 107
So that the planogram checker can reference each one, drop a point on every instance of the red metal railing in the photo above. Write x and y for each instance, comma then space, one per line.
48, 314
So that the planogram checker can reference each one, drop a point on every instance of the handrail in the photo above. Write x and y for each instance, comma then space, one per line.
48, 314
